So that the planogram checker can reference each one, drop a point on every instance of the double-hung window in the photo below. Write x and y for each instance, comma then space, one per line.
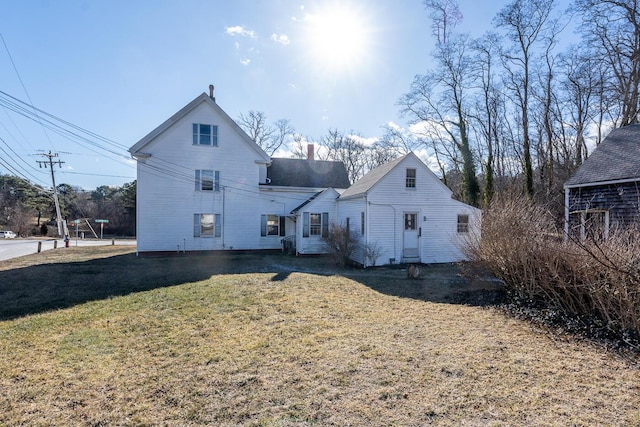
207, 225
410, 181
207, 180
463, 223
205, 134
272, 225
315, 224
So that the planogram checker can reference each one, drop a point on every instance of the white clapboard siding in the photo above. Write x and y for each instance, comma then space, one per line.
324, 202
437, 215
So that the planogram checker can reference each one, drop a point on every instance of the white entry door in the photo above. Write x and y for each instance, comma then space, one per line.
410, 235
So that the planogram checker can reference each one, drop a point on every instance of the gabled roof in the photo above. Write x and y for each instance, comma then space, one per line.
617, 158
312, 198
137, 148
371, 178
307, 173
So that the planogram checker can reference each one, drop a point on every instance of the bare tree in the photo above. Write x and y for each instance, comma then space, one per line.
524, 22
612, 27
347, 149
439, 99
488, 102
269, 137
445, 16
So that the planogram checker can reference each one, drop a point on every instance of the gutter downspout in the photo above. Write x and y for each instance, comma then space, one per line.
223, 215
566, 213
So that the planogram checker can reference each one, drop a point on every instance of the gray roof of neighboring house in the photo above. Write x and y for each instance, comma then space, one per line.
307, 173
616, 158
371, 178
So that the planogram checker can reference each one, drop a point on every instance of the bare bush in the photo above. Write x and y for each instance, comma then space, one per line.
522, 245
372, 251
341, 243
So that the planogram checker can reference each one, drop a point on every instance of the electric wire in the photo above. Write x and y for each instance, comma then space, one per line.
15, 68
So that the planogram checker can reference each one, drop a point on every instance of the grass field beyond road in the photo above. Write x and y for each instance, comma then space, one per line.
97, 336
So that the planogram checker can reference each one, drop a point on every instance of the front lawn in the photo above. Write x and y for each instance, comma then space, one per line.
97, 336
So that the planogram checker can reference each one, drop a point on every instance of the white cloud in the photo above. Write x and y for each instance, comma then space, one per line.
239, 30
293, 86
245, 61
367, 142
237, 45
283, 39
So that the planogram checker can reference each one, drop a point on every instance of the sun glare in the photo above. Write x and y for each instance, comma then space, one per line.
338, 37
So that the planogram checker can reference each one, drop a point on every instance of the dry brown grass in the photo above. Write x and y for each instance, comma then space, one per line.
278, 341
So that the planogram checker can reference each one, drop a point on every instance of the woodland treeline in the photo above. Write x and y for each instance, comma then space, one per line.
515, 110
29, 209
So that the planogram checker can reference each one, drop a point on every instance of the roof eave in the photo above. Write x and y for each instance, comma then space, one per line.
598, 183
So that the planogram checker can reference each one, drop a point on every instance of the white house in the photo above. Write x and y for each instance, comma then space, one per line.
404, 212
204, 185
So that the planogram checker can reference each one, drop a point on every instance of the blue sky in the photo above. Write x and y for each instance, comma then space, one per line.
120, 68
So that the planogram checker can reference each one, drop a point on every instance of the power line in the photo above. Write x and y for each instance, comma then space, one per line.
24, 87
50, 162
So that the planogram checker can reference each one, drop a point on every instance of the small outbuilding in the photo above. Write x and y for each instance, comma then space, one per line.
604, 193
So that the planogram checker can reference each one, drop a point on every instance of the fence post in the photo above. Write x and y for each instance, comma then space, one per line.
39, 247
55, 244
113, 242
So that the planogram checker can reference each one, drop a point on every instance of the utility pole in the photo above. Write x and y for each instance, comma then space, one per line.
50, 156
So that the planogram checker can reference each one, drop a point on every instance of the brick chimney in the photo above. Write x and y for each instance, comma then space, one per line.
310, 152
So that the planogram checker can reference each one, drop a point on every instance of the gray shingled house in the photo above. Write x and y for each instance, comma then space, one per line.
604, 193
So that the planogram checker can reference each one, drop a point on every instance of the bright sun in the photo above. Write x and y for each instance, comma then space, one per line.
339, 37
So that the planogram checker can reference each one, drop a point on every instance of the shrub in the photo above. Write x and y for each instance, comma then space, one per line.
341, 243
522, 244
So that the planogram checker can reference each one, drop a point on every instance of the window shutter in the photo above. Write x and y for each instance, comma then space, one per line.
198, 180
195, 134
348, 226
362, 223
305, 224
263, 225
217, 225
217, 181
282, 230
325, 224
214, 135
196, 225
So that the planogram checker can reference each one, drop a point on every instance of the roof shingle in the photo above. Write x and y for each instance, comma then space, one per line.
616, 158
307, 173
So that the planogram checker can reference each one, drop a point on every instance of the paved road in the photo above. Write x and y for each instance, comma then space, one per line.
12, 248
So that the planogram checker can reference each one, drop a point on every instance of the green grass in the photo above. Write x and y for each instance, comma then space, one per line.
100, 337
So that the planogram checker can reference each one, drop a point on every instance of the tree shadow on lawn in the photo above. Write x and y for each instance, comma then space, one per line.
451, 283
44, 287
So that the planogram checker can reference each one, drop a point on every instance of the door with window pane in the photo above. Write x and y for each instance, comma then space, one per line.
410, 241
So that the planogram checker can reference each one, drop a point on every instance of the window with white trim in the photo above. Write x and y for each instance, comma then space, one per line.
463, 223
272, 225
207, 225
410, 181
315, 224
204, 134
207, 180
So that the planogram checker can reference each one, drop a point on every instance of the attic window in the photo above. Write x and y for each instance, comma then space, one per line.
205, 135
411, 178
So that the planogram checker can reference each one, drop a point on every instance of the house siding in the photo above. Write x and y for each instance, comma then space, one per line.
437, 216
325, 202
167, 198
621, 200
352, 209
